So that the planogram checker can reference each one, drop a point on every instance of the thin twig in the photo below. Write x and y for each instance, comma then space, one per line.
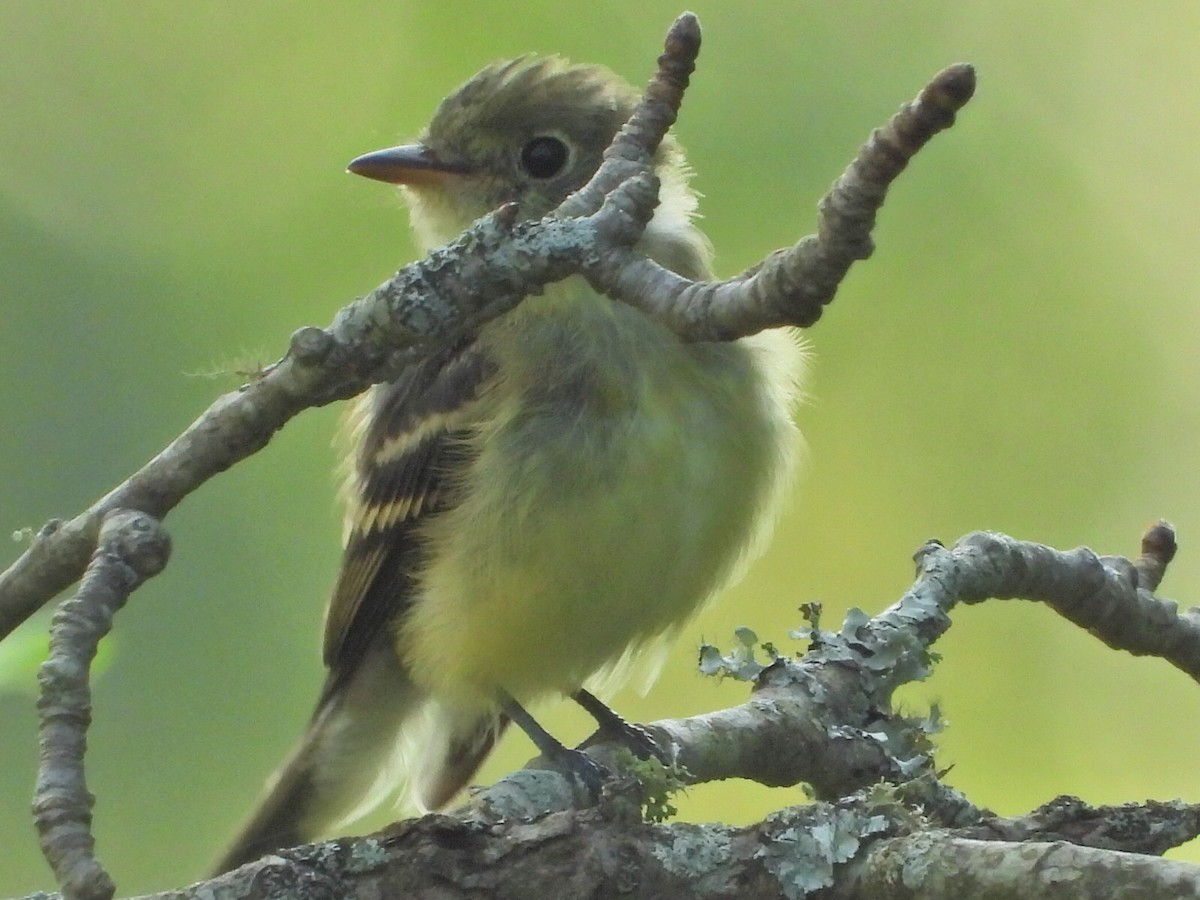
132, 547
792, 286
631, 151
1108, 596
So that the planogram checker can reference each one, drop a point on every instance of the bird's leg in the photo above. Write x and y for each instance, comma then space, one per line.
583, 767
615, 727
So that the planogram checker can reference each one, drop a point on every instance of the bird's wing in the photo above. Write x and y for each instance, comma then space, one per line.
410, 458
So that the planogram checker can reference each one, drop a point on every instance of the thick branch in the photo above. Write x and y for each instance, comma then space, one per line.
939, 866
1149, 827
866, 847
824, 719
818, 721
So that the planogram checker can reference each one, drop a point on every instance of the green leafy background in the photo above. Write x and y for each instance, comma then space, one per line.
1019, 356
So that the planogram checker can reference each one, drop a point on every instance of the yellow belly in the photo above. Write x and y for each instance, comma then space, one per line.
613, 493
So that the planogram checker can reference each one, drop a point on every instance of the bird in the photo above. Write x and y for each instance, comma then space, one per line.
541, 503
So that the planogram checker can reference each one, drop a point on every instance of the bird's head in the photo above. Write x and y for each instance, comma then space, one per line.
530, 130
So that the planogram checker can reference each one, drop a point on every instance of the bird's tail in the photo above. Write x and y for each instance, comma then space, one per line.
340, 767
459, 741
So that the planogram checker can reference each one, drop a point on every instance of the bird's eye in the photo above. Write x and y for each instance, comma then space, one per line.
544, 157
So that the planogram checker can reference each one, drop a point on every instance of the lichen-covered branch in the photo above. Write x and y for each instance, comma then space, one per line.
132, 548
869, 846
821, 721
1149, 827
824, 719
940, 866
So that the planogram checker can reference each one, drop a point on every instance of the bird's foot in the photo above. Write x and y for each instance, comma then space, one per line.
617, 729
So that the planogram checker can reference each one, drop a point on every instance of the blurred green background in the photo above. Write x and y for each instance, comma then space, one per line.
1019, 355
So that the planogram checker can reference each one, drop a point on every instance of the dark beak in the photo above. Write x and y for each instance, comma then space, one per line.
408, 164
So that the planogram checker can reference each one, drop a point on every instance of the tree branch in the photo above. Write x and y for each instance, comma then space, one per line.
485, 273
941, 866
889, 828
870, 846
1149, 827
1110, 597
792, 286
132, 548
825, 719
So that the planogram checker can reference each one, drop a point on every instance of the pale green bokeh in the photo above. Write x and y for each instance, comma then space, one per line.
1018, 356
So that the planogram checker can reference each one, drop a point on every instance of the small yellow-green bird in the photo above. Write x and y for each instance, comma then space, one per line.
538, 504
